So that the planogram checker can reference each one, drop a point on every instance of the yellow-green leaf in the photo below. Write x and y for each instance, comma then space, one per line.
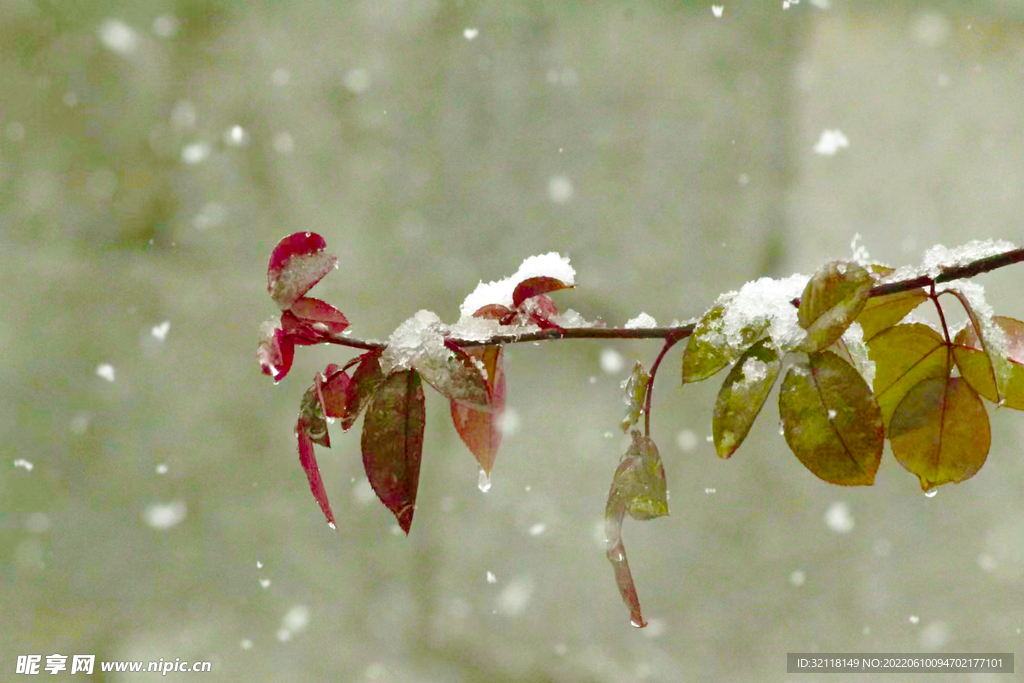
709, 350
987, 331
742, 395
831, 421
834, 296
639, 481
882, 312
905, 355
635, 388
940, 431
976, 368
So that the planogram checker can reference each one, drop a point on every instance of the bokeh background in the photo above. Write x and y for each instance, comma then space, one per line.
153, 152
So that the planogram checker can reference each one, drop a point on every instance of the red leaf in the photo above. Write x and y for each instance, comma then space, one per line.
539, 310
307, 459
300, 333
616, 553
275, 354
332, 391
297, 263
481, 430
322, 317
534, 286
361, 389
392, 443
493, 312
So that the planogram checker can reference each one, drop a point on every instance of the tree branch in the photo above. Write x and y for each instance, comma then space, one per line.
680, 332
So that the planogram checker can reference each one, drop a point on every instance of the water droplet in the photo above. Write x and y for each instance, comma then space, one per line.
484, 482
638, 624
930, 493
331, 524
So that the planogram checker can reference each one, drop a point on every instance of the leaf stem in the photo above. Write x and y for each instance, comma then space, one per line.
670, 341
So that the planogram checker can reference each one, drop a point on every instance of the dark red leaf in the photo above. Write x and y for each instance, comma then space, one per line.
534, 286
493, 312
322, 317
365, 381
298, 331
275, 354
332, 391
307, 459
481, 430
297, 263
539, 310
392, 443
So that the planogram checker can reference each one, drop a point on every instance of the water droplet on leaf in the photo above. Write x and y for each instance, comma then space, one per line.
484, 482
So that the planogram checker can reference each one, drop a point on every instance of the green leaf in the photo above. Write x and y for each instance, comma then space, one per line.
392, 443
940, 431
742, 395
709, 350
882, 312
635, 388
639, 481
638, 489
834, 296
311, 416
905, 355
457, 377
831, 421
976, 368
987, 331
367, 377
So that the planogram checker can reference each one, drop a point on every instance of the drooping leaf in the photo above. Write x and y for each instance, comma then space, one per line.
456, 376
297, 263
742, 395
882, 312
638, 489
312, 417
639, 481
481, 430
332, 391
635, 388
307, 459
367, 377
708, 349
976, 368
903, 356
392, 443
275, 354
831, 421
988, 333
533, 286
834, 296
320, 316
940, 431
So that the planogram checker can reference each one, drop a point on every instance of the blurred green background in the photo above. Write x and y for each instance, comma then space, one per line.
153, 152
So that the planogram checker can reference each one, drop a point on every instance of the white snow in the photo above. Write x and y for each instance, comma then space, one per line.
161, 469
296, 619
686, 440
860, 252
997, 345
106, 371
538, 529
23, 464
839, 519
500, 292
515, 597
160, 331
419, 337
510, 421
163, 516
357, 80
612, 361
491, 578
717, 10
280, 77
760, 301
264, 583
118, 36
939, 256
166, 25
830, 142
284, 143
754, 370
236, 136
560, 189
245, 644
642, 321
470, 33
854, 340
798, 577
195, 153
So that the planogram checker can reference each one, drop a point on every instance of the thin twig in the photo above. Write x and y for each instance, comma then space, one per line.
680, 332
